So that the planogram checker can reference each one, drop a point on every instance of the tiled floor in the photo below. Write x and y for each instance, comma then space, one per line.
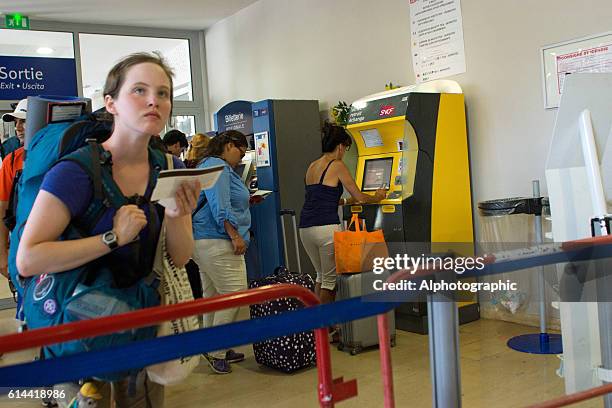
492, 376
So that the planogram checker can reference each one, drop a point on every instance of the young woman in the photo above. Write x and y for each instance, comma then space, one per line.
138, 93
325, 180
221, 230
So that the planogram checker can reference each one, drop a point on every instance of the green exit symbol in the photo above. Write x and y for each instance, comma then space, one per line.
17, 22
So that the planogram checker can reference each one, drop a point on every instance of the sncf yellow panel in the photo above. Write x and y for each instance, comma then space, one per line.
451, 210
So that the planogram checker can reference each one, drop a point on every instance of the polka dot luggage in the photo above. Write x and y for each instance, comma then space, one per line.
287, 353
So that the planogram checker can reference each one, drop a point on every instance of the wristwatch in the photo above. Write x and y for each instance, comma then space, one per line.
110, 239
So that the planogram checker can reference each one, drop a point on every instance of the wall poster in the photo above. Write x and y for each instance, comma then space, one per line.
436, 28
589, 54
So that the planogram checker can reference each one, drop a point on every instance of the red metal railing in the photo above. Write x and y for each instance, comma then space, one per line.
384, 341
330, 390
383, 332
576, 397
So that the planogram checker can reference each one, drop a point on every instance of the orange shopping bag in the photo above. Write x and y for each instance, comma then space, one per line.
355, 250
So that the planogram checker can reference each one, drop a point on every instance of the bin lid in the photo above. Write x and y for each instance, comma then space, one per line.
514, 205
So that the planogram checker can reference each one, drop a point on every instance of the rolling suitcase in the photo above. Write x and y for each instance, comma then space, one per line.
363, 333
295, 351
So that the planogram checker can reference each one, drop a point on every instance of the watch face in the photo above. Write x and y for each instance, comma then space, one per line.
109, 238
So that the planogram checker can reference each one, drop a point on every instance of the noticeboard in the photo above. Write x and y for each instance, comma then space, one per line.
590, 54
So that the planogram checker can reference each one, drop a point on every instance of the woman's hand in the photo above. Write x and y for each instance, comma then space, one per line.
380, 194
240, 246
186, 199
127, 223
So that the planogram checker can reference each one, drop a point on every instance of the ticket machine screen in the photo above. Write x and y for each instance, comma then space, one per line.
245, 169
377, 174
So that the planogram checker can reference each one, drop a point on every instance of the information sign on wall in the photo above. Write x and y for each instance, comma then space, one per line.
436, 28
590, 55
21, 77
262, 149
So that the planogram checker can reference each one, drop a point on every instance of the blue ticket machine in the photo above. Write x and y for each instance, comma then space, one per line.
286, 138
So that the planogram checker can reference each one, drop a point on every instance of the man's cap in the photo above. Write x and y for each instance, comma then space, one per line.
20, 112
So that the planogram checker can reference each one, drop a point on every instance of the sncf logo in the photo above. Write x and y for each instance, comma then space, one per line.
386, 110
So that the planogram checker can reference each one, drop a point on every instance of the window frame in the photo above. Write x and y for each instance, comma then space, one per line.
198, 107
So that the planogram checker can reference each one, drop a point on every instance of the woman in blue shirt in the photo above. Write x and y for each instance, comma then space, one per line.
221, 231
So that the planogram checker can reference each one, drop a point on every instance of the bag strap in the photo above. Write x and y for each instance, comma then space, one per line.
355, 220
169, 162
9, 218
202, 203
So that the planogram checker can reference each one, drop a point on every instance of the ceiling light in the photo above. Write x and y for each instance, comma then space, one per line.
45, 50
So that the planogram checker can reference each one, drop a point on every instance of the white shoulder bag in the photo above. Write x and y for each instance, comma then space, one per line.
173, 288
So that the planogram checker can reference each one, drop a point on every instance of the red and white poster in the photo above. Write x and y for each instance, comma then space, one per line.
585, 55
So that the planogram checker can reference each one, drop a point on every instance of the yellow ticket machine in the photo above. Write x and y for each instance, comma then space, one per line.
413, 141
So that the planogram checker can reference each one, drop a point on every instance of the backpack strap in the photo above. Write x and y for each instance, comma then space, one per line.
9, 219
97, 163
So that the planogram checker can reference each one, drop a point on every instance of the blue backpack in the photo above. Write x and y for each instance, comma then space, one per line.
98, 288
9, 145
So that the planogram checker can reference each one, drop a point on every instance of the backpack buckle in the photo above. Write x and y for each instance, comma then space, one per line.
137, 200
106, 158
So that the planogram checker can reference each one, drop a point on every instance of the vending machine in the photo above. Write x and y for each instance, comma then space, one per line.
413, 141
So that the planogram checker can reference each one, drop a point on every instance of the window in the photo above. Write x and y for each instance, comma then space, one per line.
29, 43
34, 63
184, 123
100, 52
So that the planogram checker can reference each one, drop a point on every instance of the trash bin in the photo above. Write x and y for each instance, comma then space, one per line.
513, 224
508, 224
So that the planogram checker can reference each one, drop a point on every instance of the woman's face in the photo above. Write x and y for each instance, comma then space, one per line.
233, 154
143, 103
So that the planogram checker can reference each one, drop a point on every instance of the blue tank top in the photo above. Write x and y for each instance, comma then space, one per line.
321, 203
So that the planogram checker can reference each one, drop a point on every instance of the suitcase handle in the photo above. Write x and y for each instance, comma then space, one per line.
282, 213
286, 211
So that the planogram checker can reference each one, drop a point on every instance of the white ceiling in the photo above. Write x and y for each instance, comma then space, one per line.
178, 14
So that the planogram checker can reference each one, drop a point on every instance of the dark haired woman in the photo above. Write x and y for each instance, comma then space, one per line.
221, 231
325, 181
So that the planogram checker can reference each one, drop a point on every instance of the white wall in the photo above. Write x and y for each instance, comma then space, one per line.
334, 50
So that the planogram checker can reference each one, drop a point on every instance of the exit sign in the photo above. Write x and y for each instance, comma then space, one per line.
17, 22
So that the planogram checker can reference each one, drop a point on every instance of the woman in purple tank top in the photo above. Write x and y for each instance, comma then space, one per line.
325, 181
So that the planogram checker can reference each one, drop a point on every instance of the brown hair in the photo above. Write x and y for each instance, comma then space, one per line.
197, 147
116, 76
332, 136
217, 143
